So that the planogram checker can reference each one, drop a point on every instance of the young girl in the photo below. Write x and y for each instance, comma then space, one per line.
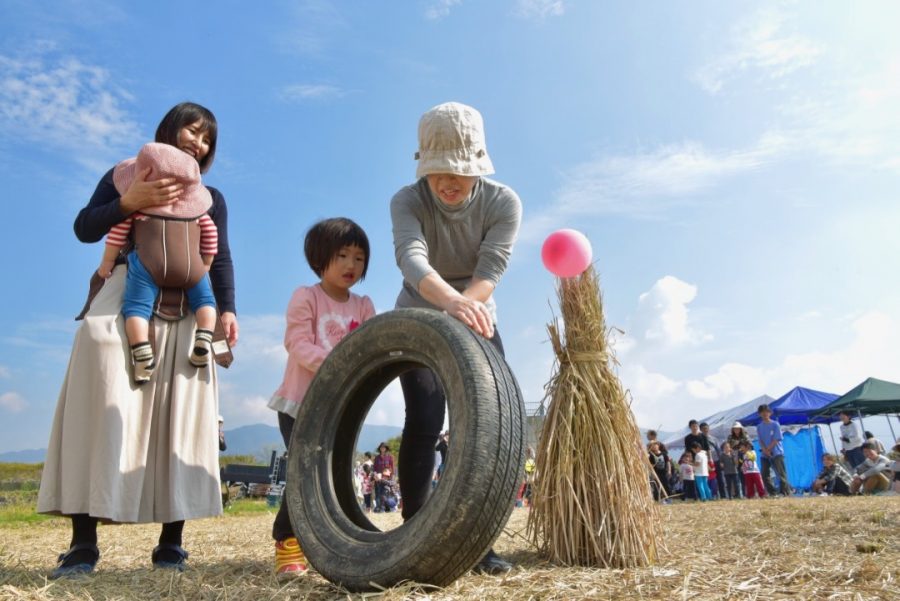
686, 465
160, 258
752, 478
318, 318
366, 486
713, 479
730, 471
701, 472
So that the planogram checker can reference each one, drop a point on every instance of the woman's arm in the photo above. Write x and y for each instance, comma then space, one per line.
106, 207
470, 311
503, 221
102, 212
480, 290
221, 272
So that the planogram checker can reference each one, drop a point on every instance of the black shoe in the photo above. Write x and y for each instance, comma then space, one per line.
169, 557
492, 564
79, 560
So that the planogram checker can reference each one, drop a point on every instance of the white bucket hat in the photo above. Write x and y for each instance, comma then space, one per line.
451, 140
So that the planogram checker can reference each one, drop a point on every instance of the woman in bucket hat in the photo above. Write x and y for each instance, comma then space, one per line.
125, 453
454, 231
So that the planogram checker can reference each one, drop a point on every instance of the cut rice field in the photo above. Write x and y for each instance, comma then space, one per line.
799, 548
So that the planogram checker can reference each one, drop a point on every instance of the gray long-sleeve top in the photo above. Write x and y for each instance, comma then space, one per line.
472, 240
871, 467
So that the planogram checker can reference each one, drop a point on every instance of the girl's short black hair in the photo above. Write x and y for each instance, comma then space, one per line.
325, 240
184, 114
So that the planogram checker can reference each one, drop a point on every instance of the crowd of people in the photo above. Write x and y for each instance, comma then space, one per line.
375, 482
731, 469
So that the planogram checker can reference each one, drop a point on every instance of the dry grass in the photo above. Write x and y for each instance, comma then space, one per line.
589, 509
732, 550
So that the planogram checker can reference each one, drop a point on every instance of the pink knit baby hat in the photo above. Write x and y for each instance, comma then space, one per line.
166, 161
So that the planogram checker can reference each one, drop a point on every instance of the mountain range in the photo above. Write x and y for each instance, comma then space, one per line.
258, 440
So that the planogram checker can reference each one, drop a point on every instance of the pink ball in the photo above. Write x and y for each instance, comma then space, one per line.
566, 253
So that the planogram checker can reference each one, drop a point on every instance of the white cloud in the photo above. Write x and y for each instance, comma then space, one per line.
867, 349
732, 380
262, 338
301, 92
759, 45
647, 184
854, 121
13, 402
242, 411
540, 9
662, 315
4, 372
66, 105
440, 9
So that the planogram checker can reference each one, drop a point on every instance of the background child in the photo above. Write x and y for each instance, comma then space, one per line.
833, 479
389, 491
179, 265
701, 472
713, 478
752, 478
366, 486
318, 318
663, 468
728, 459
686, 466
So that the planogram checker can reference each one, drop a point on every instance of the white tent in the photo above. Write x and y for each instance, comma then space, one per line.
719, 423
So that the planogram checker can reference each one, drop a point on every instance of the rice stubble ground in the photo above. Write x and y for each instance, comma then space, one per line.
798, 548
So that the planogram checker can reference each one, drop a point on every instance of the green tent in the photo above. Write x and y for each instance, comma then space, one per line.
872, 397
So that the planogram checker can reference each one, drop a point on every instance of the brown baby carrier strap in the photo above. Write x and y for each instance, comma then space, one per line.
171, 305
170, 250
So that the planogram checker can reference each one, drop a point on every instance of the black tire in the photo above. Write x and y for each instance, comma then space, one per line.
467, 510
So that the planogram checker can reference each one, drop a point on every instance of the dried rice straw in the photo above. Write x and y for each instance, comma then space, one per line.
591, 501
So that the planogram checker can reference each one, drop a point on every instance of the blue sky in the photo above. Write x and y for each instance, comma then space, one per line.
735, 165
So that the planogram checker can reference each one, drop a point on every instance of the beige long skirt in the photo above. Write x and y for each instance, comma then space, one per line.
127, 453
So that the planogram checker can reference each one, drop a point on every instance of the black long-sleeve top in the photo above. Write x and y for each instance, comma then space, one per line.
104, 211
701, 438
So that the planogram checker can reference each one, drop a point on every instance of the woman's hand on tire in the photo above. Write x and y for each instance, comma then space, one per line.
472, 313
142, 194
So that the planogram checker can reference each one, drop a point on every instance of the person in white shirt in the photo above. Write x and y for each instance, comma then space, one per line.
851, 439
701, 472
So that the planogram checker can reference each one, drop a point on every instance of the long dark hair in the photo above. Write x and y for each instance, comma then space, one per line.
184, 114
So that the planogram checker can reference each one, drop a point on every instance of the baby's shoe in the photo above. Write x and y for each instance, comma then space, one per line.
143, 362
289, 558
202, 348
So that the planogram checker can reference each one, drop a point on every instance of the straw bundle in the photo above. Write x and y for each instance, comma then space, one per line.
591, 502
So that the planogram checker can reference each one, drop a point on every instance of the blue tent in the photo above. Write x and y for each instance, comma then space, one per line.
796, 407
803, 452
